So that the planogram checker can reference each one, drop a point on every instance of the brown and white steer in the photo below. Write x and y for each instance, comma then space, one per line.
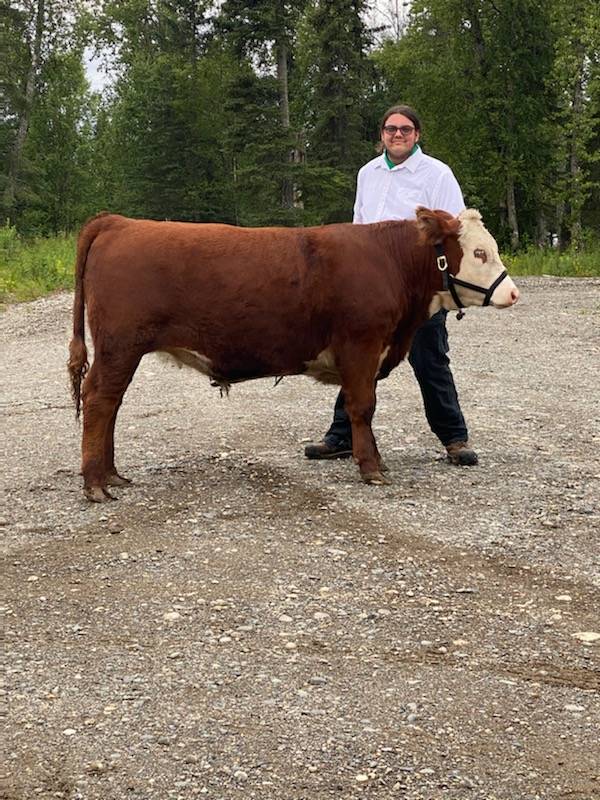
339, 303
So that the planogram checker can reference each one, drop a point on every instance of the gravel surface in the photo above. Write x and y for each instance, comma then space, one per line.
243, 623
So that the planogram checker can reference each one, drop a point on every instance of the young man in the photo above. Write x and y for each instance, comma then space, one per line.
392, 186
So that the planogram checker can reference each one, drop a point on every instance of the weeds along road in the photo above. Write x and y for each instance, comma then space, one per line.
245, 623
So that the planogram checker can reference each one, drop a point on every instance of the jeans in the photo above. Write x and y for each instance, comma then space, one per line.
429, 360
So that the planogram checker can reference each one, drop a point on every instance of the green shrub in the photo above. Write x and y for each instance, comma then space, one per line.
583, 263
30, 268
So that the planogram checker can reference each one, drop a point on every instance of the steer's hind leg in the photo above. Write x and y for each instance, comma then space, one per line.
358, 367
103, 392
112, 476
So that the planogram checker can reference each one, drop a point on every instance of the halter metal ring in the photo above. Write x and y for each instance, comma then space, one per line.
442, 263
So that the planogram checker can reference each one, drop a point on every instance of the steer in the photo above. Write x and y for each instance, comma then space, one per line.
339, 303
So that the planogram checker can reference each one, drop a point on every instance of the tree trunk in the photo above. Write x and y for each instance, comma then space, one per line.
287, 190
542, 228
511, 212
15, 158
577, 198
473, 15
560, 221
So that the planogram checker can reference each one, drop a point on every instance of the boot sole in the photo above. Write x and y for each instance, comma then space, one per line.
328, 456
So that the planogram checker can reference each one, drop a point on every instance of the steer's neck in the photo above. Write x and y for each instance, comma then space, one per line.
414, 263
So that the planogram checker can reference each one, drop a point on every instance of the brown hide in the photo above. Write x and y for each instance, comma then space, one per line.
251, 302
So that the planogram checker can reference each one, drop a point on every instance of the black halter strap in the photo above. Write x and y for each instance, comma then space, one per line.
450, 282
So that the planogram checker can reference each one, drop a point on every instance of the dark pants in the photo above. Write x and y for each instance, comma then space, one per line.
430, 363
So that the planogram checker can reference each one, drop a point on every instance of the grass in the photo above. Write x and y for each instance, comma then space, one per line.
584, 263
31, 268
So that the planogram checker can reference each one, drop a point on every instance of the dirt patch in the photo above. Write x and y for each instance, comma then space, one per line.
245, 623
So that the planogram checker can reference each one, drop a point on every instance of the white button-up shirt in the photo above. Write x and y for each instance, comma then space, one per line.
383, 193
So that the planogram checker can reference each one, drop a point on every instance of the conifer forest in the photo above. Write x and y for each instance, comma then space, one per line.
261, 113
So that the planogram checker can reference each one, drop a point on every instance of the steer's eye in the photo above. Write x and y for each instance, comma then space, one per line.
480, 254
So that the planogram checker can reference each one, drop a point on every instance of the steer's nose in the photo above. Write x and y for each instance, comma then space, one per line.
514, 295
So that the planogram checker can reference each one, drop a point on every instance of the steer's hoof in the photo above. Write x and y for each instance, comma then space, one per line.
375, 479
114, 479
97, 494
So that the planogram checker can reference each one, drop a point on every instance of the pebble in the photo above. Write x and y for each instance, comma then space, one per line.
588, 637
240, 775
362, 778
317, 680
171, 616
69, 732
32, 579
572, 707
96, 766
564, 598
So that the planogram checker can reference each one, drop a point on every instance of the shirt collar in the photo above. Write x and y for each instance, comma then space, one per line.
411, 162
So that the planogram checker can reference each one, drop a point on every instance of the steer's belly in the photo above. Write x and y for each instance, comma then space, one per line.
190, 358
225, 374
324, 369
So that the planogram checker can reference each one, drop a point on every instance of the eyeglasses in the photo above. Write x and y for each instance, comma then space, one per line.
392, 130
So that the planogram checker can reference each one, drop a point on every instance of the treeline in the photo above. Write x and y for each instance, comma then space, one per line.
262, 112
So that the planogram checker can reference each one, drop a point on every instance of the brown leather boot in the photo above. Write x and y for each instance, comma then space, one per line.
329, 450
461, 454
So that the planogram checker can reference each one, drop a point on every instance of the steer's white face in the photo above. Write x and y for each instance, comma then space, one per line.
480, 265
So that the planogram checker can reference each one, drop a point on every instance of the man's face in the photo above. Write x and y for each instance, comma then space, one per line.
400, 141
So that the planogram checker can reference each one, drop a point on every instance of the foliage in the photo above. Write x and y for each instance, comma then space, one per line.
162, 141
57, 149
335, 101
258, 149
581, 262
260, 113
30, 268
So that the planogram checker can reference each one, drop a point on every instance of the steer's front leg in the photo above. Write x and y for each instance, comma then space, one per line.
358, 370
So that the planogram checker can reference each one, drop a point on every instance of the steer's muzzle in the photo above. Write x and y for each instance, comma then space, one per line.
505, 295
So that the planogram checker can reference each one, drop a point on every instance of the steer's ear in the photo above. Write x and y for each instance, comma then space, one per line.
435, 226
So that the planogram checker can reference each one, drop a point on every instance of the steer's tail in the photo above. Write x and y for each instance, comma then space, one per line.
78, 363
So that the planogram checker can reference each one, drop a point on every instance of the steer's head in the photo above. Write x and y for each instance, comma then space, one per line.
476, 274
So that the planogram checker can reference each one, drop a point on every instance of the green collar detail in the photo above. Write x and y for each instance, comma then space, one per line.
391, 164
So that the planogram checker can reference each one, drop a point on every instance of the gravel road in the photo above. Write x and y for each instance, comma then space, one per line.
243, 623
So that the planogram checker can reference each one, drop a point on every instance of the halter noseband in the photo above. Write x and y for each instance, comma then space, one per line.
450, 282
